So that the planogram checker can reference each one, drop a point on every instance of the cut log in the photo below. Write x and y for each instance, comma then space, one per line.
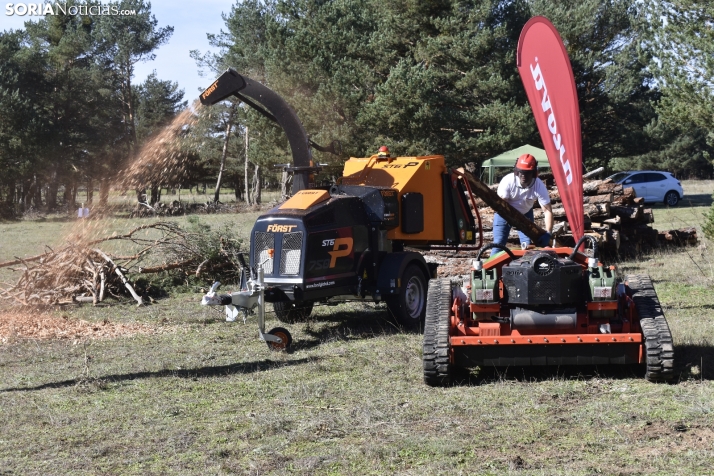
590, 187
503, 208
605, 198
614, 188
628, 214
613, 222
647, 216
681, 237
627, 197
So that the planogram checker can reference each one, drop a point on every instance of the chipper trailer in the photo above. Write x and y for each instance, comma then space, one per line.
347, 241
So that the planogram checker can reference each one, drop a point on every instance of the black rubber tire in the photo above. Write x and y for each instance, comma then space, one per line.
409, 307
291, 312
659, 348
284, 335
671, 198
436, 358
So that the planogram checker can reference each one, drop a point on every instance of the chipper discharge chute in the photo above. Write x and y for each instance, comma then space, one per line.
347, 241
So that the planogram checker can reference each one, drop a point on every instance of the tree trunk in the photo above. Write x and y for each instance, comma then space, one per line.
247, 186
284, 185
155, 194
238, 186
90, 190
129, 99
37, 195
103, 192
224, 154
52, 189
67, 198
24, 191
257, 186
10, 199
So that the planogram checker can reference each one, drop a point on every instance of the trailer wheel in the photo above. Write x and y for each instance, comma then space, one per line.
291, 312
284, 335
436, 357
409, 307
659, 348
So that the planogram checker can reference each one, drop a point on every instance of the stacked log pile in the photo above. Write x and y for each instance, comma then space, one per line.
614, 216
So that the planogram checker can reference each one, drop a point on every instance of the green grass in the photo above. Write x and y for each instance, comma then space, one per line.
203, 396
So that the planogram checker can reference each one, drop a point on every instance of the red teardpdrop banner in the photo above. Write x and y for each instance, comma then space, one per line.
548, 80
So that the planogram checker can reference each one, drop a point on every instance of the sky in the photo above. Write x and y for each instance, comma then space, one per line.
191, 22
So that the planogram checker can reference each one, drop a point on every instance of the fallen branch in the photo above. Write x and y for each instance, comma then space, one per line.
121, 276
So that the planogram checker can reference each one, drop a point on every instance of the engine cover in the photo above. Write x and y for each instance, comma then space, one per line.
542, 278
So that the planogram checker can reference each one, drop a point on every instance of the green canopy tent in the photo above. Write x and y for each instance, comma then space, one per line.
508, 160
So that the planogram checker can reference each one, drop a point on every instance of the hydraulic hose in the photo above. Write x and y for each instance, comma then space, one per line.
488, 246
593, 242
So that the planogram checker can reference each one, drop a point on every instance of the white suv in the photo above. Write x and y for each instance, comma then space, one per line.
653, 186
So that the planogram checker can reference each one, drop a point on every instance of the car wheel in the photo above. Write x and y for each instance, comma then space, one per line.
671, 198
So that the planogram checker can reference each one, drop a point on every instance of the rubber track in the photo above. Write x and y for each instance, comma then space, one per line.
658, 338
437, 364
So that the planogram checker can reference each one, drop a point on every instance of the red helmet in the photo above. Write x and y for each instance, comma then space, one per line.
527, 162
383, 152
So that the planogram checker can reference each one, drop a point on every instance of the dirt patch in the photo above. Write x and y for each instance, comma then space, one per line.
694, 436
37, 325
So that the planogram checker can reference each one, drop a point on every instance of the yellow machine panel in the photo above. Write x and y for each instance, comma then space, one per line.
304, 199
406, 175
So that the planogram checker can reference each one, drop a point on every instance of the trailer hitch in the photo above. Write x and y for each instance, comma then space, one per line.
246, 301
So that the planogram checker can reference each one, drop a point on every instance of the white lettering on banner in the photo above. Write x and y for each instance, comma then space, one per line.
552, 126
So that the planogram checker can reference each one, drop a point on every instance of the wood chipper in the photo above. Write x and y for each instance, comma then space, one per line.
347, 241
551, 306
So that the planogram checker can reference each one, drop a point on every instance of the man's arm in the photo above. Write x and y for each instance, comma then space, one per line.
548, 217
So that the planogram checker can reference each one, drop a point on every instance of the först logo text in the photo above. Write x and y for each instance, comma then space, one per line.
281, 228
42, 9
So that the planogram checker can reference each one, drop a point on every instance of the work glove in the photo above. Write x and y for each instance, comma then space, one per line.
544, 240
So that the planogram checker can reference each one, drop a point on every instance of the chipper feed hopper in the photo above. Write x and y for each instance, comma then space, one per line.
347, 241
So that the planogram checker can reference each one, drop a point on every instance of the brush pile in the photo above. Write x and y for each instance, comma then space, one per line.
82, 272
73, 273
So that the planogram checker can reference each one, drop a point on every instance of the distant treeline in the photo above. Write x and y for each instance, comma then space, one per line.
435, 77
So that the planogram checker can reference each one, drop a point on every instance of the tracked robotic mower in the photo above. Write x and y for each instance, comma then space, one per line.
551, 306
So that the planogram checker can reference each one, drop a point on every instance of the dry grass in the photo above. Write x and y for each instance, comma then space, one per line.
209, 398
